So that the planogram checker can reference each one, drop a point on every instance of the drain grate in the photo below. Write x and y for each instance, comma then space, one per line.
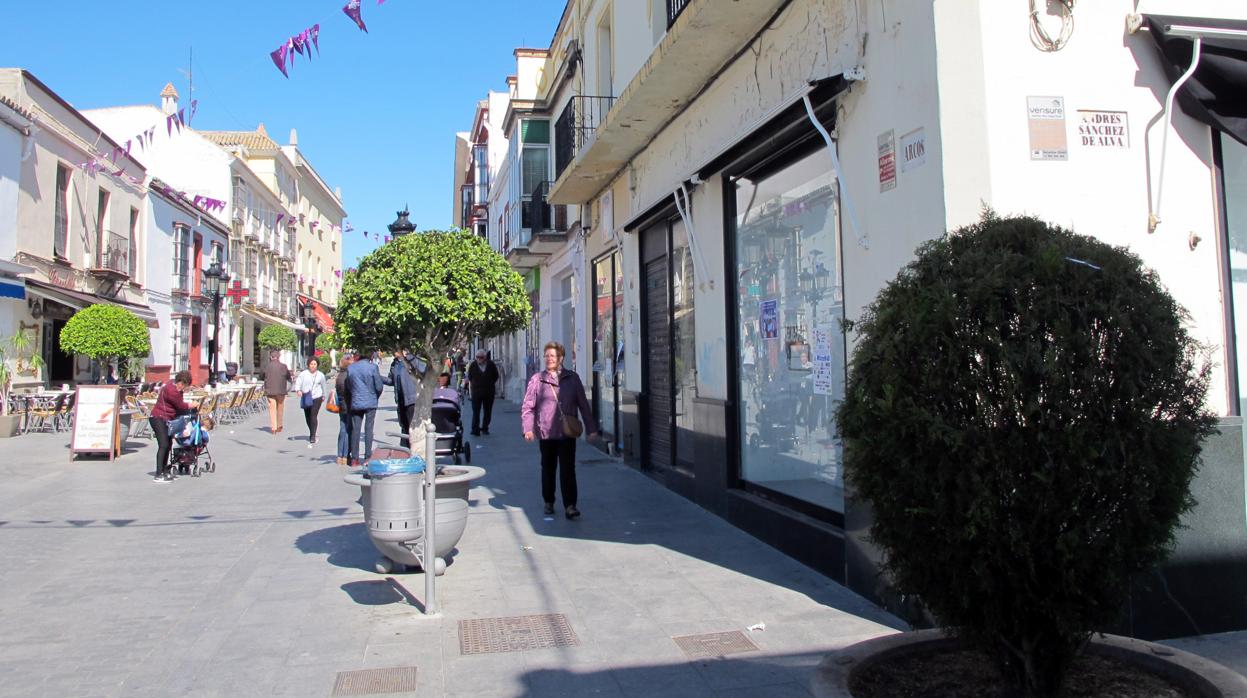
515, 633
715, 644
369, 682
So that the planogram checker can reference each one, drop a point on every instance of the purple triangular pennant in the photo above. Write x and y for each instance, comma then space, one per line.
279, 59
355, 12
300, 40
314, 35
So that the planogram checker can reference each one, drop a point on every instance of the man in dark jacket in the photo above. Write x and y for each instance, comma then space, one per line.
276, 385
403, 378
365, 384
482, 378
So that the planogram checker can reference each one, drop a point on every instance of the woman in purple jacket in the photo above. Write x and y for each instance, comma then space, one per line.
551, 394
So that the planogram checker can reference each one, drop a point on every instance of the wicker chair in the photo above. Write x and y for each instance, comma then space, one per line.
46, 413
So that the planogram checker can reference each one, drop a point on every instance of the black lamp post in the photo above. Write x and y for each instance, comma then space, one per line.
215, 281
309, 321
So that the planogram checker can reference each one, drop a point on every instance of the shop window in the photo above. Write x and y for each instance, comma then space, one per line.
791, 358
1233, 158
181, 258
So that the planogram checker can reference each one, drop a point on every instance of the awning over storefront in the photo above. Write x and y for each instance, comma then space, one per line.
321, 311
12, 288
78, 300
1215, 92
272, 319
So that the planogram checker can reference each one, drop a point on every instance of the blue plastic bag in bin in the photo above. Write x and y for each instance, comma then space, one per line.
395, 466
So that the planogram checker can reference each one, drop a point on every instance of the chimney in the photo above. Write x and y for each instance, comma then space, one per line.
294, 137
169, 100
260, 129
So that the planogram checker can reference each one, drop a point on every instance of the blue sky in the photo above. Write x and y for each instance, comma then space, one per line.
376, 113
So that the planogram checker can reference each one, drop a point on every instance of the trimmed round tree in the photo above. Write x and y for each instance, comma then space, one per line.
278, 337
106, 333
1024, 414
431, 292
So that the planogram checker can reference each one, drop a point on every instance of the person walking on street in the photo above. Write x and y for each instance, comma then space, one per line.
342, 393
169, 404
276, 385
402, 377
365, 384
548, 414
311, 388
482, 379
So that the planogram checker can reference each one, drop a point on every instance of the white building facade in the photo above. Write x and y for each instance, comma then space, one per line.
720, 246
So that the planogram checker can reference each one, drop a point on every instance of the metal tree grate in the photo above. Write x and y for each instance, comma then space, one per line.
515, 633
715, 644
369, 682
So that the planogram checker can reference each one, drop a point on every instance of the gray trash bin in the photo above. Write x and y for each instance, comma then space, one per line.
396, 508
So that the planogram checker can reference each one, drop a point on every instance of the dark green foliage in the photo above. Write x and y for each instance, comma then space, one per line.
278, 337
104, 332
327, 342
1024, 413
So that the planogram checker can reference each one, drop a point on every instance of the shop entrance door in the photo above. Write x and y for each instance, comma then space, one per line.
60, 365
658, 401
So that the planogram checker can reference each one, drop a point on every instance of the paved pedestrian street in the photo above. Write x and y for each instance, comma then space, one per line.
258, 580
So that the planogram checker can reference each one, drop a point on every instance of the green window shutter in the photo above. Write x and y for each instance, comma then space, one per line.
535, 131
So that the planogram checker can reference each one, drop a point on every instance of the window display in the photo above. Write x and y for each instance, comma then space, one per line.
791, 356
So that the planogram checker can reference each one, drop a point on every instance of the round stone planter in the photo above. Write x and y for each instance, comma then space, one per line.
452, 516
1197, 675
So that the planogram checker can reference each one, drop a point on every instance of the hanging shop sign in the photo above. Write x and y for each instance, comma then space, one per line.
822, 360
1103, 130
1045, 119
887, 160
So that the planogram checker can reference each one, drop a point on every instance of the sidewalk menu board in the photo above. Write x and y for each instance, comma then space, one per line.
97, 421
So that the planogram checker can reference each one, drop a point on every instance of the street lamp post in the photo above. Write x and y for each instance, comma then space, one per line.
215, 280
309, 321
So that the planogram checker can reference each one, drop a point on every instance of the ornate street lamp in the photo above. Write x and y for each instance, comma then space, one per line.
401, 226
215, 281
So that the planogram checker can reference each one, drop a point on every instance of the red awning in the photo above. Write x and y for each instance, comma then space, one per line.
323, 317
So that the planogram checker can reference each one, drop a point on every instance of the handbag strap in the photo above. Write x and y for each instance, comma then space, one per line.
557, 402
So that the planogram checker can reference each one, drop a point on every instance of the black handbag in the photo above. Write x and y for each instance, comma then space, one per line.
572, 427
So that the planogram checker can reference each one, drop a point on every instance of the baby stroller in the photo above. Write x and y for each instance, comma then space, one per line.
448, 423
190, 442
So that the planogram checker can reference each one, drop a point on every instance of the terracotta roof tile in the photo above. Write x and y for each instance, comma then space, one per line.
252, 140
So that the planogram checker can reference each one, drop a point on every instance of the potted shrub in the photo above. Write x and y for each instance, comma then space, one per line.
1024, 414
277, 337
105, 333
18, 350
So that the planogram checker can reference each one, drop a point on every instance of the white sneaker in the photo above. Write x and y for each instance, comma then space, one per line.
309, 444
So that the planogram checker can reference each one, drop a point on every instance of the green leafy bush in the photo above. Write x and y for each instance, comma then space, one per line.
327, 342
278, 337
1024, 413
431, 292
104, 332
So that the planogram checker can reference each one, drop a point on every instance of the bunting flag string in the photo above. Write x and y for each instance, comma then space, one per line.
303, 42
355, 11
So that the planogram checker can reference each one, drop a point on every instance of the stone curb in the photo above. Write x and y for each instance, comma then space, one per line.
1203, 676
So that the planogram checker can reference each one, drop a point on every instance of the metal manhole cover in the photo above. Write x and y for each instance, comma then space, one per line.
515, 633
715, 644
369, 682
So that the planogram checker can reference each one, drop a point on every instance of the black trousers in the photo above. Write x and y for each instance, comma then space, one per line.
312, 416
558, 455
406, 415
485, 403
160, 429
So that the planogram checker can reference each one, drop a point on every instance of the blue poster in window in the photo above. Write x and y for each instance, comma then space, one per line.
768, 319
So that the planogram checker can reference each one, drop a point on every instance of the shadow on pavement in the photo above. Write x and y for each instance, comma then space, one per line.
380, 592
346, 546
740, 674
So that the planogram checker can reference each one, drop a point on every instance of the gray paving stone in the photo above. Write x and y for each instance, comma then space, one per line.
258, 580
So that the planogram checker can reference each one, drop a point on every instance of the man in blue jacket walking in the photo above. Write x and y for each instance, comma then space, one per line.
403, 378
366, 384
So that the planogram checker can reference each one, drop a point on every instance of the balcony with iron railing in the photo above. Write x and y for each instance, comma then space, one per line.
592, 146
113, 256
546, 223
576, 127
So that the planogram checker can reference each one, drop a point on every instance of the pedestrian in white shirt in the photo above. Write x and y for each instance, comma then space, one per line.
311, 388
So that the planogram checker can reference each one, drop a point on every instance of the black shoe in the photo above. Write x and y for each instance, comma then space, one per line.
476, 433
485, 432
549, 509
162, 478
572, 512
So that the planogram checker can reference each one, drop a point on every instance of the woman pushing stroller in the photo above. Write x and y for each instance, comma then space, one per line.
169, 405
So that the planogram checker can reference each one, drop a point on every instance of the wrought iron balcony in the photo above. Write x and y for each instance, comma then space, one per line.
674, 8
541, 217
113, 257
576, 127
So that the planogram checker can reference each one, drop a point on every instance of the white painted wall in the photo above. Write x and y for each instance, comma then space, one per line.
11, 146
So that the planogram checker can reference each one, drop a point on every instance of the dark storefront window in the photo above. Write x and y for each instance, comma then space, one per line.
683, 344
608, 355
792, 353
1234, 188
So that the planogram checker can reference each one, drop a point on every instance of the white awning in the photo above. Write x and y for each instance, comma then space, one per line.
272, 319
